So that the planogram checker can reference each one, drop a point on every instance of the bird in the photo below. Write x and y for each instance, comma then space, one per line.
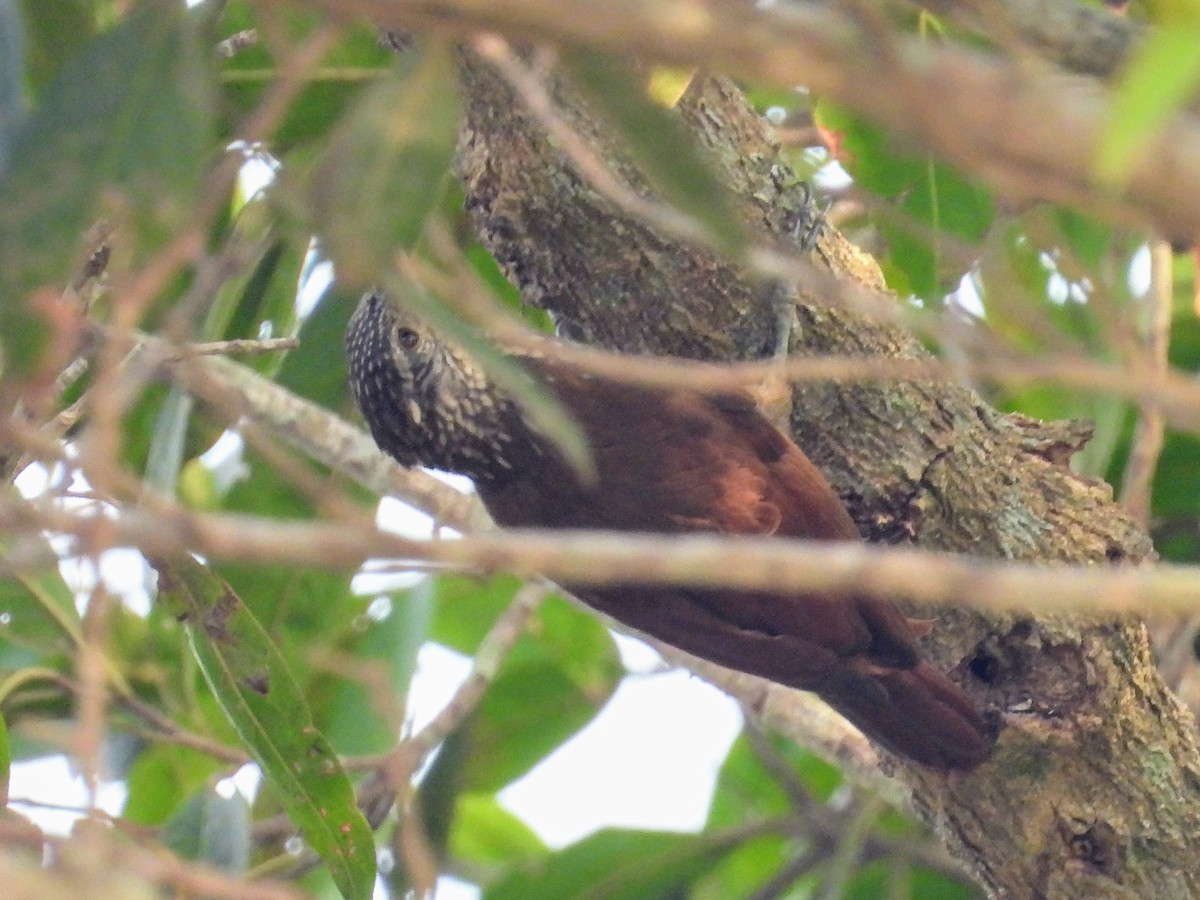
667, 461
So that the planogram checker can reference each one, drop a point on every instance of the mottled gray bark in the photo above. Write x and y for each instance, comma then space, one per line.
1094, 789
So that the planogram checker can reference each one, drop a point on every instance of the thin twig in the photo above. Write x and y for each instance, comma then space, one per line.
241, 345
1148, 436
168, 731
493, 649
1015, 144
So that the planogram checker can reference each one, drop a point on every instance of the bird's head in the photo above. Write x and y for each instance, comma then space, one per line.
425, 401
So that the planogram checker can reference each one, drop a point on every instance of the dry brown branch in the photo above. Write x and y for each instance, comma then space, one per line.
1175, 394
1014, 142
597, 557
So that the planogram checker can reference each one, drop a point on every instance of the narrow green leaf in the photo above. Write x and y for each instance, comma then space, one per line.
128, 117
261, 300
267, 708
267, 305
165, 457
1163, 73
658, 143
380, 177
37, 610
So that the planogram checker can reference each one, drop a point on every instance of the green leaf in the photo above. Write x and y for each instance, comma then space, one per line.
580, 645
248, 675
316, 370
553, 682
466, 608
298, 604
926, 198
560, 634
267, 305
658, 143
745, 869
53, 33
125, 126
261, 299
440, 788
1158, 80
165, 457
874, 881
486, 835
212, 829
746, 790
615, 865
527, 712
384, 651
248, 76
1090, 239
1016, 266
37, 610
161, 778
379, 179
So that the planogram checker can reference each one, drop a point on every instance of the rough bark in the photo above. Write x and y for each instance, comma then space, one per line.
1094, 789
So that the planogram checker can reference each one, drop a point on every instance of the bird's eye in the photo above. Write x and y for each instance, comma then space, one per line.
407, 337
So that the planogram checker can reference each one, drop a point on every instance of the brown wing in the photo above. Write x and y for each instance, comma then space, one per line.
678, 461
675, 461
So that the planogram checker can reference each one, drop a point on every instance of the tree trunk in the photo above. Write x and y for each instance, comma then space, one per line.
1094, 788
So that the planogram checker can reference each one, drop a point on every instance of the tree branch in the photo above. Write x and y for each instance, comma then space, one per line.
920, 90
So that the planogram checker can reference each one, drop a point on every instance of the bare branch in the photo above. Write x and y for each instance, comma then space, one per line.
1150, 432
1014, 141
597, 557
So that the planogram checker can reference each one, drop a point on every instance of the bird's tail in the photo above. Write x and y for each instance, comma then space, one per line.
916, 713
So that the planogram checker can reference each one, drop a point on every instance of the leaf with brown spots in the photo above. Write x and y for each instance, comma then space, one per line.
264, 703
